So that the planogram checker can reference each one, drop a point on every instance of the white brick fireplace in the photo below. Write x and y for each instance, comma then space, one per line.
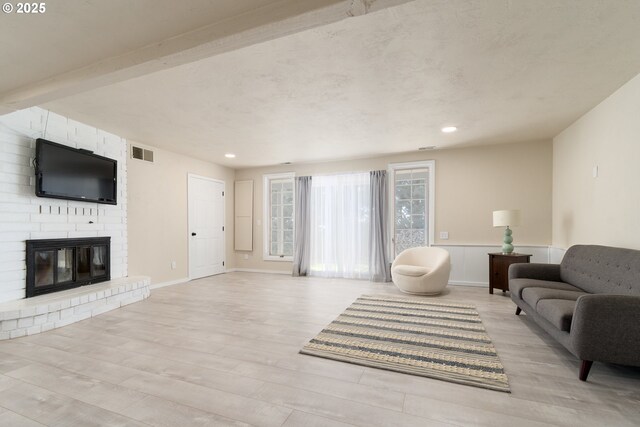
24, 216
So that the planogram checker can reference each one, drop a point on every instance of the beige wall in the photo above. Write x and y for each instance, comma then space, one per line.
602, 210
158, 221
470, 184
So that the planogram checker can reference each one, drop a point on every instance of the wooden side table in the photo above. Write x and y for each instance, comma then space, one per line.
499, 269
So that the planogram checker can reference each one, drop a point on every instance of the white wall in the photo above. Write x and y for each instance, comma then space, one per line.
470, 183
605, 209
158, 217
24, 216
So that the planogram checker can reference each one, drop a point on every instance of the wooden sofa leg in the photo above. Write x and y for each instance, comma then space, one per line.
584, 369
518, 310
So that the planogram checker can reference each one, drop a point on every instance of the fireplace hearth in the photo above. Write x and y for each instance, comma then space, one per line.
58, 264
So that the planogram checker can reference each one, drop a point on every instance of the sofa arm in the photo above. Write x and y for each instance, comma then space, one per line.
549, 272
606, 328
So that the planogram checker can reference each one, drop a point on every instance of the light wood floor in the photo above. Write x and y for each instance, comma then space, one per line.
224, 351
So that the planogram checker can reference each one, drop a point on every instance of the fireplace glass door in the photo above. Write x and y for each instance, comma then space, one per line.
58, 264
44, 261
84, 263
65, 265
53, 267
99, 261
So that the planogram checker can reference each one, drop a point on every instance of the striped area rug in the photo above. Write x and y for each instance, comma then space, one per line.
414, 336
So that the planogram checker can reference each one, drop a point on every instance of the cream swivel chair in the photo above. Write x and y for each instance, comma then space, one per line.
422, 270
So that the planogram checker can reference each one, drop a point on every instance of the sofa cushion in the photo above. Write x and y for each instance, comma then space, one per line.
602, 269
559, 312
516, 286
410, 270
533, 295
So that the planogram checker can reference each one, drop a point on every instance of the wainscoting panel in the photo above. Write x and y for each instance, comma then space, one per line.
470, 263
556, 254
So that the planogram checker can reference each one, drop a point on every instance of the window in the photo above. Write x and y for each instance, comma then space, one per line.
339, 222
412, 200
278, 216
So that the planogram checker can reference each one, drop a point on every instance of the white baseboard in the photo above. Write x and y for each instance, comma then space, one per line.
252, 270
169, 283
474, 284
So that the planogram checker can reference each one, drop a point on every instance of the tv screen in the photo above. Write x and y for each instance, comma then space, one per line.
67, 173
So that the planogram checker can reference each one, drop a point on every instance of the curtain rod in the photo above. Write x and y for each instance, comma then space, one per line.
338, 173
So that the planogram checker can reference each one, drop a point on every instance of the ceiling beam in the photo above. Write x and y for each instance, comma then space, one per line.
276, 20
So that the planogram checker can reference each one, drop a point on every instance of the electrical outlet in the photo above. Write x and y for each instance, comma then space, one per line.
174, 265
444, 235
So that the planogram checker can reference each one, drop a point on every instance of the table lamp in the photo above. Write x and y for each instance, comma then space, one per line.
506, 218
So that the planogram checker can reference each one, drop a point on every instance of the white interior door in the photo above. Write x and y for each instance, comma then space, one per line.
206, 227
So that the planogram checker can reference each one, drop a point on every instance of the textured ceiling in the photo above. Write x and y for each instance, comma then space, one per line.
79, 45
86, 31
502, 71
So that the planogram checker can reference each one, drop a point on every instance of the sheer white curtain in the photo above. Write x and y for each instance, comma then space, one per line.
340, 219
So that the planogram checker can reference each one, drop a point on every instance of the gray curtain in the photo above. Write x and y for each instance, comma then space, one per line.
379, 268
302, 248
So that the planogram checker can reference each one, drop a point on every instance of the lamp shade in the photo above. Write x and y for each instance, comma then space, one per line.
506, 218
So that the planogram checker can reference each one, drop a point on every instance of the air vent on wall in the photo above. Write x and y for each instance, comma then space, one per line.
141, 154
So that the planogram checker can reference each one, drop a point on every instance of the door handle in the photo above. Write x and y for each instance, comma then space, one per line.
193, 234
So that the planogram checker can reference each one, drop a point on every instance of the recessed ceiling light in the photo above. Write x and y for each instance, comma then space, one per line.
429, 147
230, 156
449, 129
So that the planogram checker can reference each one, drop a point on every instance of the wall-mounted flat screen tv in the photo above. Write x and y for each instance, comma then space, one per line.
67, 173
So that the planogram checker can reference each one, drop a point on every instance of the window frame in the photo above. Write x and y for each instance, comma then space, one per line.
266, 214
430, 165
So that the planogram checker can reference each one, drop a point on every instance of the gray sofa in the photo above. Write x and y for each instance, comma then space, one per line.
590, 302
